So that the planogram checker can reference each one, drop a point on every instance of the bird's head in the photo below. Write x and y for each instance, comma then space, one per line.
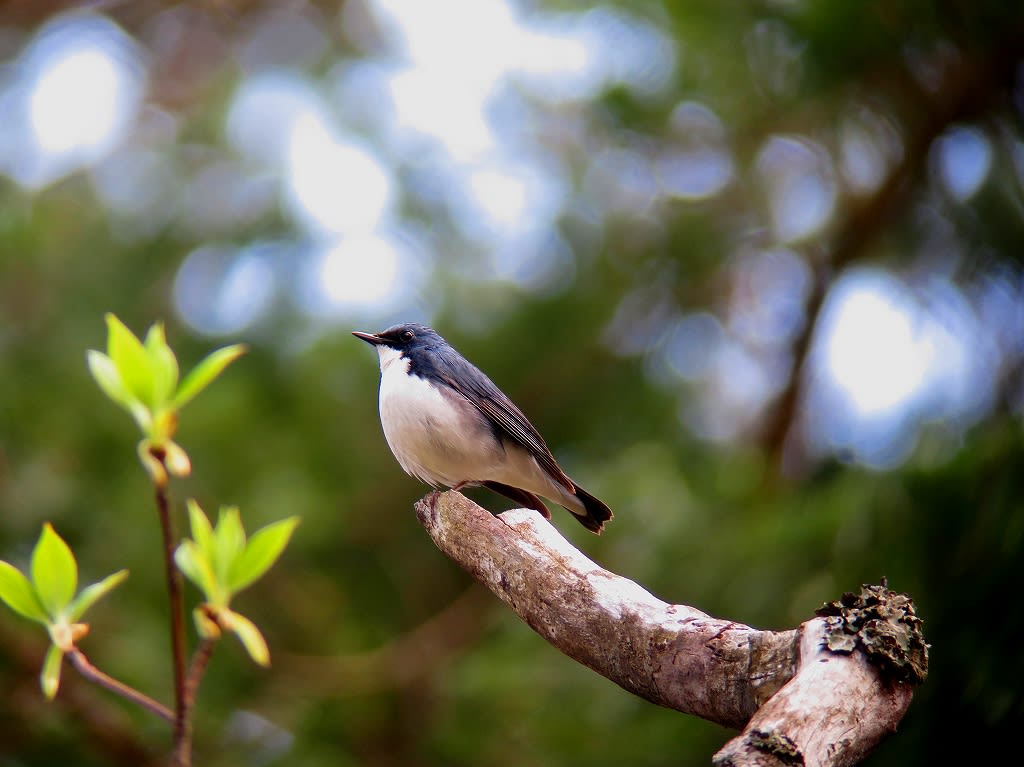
407, 340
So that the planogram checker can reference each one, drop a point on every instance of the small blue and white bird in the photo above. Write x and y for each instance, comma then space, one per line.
450, 426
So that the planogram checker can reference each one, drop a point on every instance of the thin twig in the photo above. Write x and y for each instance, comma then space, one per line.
200, 659
112, 734
182, 742
93, 674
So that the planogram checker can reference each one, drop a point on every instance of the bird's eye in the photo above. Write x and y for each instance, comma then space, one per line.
408, 335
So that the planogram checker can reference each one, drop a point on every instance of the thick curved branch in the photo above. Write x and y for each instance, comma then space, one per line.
796, 701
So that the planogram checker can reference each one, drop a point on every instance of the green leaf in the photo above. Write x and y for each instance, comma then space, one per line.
187, 557
229, 541
198, 569
49, 678
249, 635
205, 372
54, 571
17, 592
91, 594
163, 363
202, 532
104, 372
262, 550
131, 360
143, 415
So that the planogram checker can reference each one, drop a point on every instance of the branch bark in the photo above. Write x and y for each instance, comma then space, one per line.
796, 700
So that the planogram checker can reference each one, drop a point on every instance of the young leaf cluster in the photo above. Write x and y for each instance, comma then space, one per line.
47, 595
142, 377
221, 561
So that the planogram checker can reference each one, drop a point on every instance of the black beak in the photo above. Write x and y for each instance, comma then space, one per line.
370, 338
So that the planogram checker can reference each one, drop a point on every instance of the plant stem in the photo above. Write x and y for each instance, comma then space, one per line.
197, 668
93, 674
182, 739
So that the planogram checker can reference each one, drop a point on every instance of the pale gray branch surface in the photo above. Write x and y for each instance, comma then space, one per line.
796, 701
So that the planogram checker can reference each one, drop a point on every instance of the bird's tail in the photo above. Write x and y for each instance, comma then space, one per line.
595, 513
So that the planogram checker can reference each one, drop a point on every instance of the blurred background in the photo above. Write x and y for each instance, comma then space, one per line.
753, 268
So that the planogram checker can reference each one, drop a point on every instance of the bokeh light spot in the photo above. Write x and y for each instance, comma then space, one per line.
358, 271
800, 189
221, 291
76, 90
336, 186
874, 354
74, 102
964, 158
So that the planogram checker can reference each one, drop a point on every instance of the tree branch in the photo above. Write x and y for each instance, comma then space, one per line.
197, 667
797, 701
176, 600
93, 674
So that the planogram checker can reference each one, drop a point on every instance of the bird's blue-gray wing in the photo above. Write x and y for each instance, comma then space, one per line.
508, 419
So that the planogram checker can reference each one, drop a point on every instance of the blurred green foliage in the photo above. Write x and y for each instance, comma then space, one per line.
383, 654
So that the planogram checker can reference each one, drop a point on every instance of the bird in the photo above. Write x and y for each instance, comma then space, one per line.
449, 425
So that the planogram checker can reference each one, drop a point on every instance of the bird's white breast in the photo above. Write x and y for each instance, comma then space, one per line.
436, 435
